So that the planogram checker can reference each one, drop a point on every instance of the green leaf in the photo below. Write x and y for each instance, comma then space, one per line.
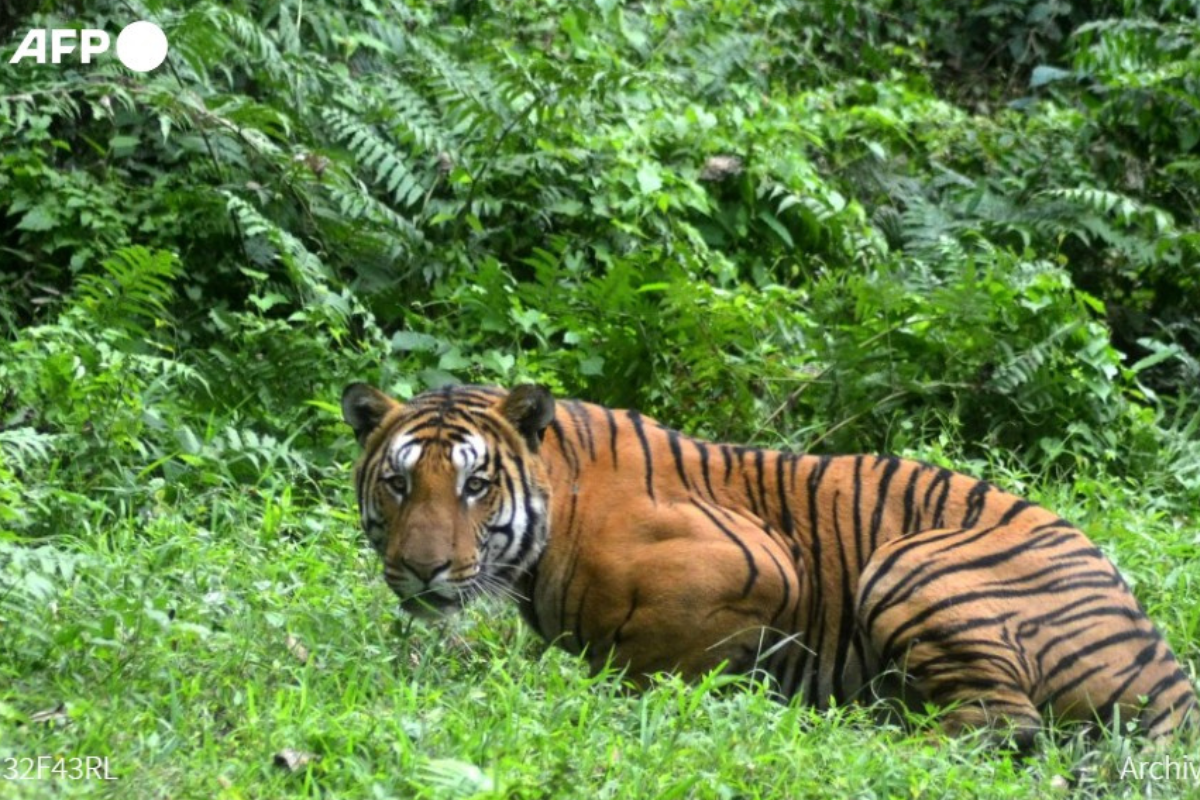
268, 301
38, 218
498, 362
775, 225
453, 359
649, 177
592, 366
1162, 353
123, 146
405, 341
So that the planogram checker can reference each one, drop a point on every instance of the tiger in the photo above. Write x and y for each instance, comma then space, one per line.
633, 545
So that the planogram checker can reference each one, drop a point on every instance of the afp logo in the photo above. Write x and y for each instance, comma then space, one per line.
141, 46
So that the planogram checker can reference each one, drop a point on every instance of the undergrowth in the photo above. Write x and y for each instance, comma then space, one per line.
959, 233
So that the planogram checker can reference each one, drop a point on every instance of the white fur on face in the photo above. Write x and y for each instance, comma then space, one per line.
403, 453
466, 457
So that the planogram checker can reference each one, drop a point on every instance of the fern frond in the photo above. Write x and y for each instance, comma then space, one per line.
24, 447
135, 286
1124, 210
414, 121
359, 207
377, 156
305, 270
1020, 369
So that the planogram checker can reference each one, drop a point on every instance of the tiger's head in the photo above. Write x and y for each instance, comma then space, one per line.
451, 491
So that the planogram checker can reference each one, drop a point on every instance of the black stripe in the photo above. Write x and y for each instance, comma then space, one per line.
583, 428
785, 511
783, 579
1054, 523
816, 612
881, 501
635, 419
754, 509
1075, 612
939, 519
587, 428
534, 520
969, 597
910, 500
760, 472
1063, 562
856, 515
943, 633
565, 588
565, 447
1014, 510
1072, 635
677, 454
612, 436
528, 603
845, 627
618, 635
976, 501
702, 449
1134, 669
1053, 697
899, 550
943, 475
985, 562
1187, 695
751, 567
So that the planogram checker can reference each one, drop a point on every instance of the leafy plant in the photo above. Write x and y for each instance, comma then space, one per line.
962, 232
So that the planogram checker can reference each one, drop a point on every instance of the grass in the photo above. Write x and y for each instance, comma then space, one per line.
194, 641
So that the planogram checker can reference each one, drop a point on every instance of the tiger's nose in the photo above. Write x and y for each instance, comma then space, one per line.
426, 570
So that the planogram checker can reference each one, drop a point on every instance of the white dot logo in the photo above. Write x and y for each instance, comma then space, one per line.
142, 46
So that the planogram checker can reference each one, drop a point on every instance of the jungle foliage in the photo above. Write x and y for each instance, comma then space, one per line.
968, 231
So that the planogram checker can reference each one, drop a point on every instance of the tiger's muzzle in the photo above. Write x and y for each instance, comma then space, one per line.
424, 588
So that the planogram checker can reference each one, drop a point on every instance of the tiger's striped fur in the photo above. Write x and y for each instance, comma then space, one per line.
621, 537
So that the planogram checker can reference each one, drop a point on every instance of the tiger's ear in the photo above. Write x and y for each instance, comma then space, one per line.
530, 408
364, 407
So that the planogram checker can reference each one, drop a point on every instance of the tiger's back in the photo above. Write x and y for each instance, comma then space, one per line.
667, 553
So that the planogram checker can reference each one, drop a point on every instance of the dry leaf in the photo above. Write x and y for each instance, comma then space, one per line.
297, 649
718, 168
295, 760
52, 716
456, 777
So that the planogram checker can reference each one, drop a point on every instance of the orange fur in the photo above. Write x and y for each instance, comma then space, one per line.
666, 553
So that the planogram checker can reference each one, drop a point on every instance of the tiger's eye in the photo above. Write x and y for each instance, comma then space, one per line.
397, 483
476, 485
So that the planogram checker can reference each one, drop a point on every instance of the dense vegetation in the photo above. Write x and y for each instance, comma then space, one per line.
968, 232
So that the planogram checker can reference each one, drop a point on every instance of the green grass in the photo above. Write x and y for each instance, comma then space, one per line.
176, 641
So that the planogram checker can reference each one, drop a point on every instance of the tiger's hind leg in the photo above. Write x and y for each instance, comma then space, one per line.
971, 678
952, 646
1006, 620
